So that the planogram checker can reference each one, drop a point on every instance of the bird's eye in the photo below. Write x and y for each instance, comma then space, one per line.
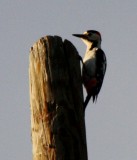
90, 34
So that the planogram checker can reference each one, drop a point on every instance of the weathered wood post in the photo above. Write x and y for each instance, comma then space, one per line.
56, 100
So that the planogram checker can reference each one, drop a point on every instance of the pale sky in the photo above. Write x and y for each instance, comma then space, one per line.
111, 123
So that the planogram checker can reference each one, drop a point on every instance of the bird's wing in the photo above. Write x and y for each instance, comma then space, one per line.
101, 65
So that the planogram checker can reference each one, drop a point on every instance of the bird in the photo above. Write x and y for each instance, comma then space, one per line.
94, 64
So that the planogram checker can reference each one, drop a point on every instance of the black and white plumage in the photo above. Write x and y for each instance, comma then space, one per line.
94, 64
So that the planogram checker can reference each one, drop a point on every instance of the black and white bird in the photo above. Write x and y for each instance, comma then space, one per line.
94, 64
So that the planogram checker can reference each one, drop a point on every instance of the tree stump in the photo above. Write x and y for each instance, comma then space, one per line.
56, 100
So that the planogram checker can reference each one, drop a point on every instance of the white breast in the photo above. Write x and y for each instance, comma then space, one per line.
90, 62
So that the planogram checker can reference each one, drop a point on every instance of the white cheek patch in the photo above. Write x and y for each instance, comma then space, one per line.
88, 44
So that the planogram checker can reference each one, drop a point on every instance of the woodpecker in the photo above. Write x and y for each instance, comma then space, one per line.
94, 64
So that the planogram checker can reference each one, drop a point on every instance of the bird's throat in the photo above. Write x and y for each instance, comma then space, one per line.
91, 45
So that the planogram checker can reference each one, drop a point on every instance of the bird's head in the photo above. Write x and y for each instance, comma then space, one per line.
90, 37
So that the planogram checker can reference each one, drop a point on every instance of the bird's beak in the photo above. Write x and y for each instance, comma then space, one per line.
80, 36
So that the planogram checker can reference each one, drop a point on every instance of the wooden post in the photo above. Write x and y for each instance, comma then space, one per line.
56, 100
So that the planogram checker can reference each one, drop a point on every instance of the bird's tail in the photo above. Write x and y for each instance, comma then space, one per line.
87, 100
